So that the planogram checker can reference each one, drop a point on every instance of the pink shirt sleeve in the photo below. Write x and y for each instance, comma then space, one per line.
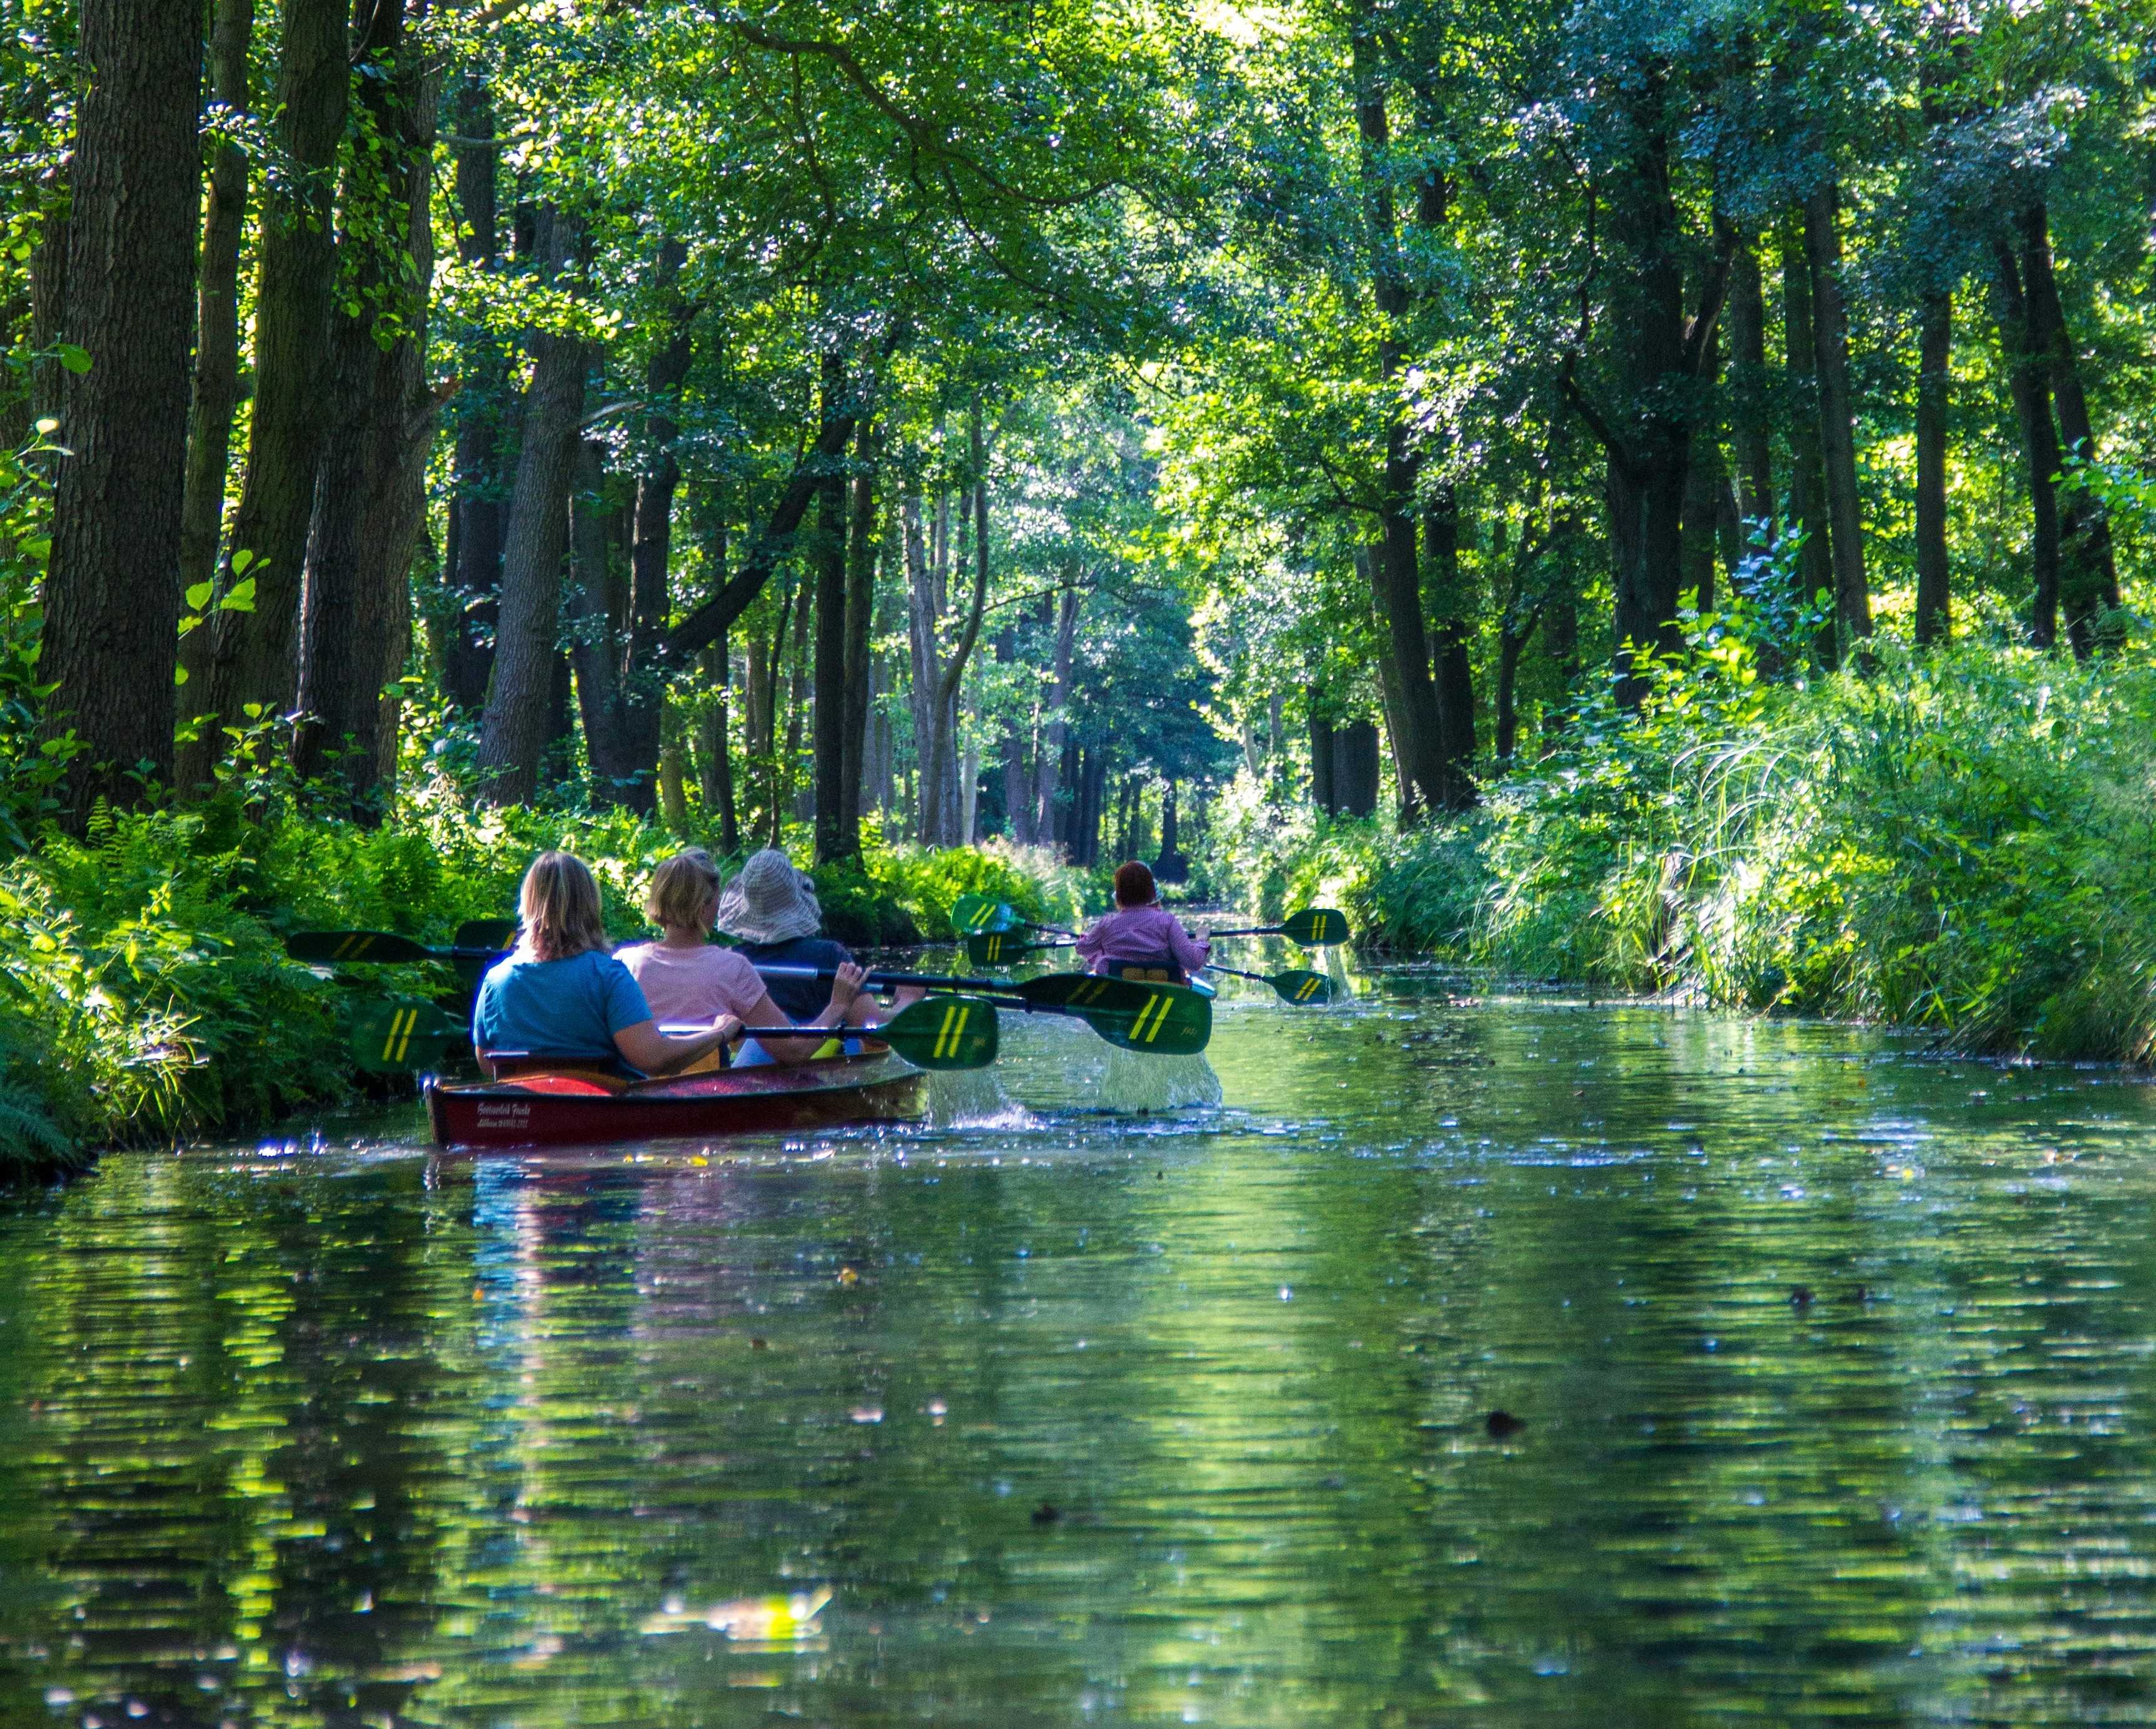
1189, 953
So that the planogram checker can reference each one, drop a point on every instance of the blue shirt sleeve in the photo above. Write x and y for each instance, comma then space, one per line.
625, 997
485, 1010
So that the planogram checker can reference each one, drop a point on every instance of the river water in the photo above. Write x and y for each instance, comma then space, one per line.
1829, 1367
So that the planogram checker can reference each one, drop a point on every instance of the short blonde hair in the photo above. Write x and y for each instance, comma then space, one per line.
559, 908
683, 888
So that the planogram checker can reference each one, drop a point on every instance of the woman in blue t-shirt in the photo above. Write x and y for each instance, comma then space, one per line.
559, 993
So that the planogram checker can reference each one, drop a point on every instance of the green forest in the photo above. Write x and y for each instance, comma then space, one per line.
1650, 493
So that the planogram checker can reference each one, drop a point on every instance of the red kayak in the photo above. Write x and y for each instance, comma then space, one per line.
570, 1108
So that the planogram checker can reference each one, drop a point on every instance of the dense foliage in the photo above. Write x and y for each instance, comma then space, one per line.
1652, 493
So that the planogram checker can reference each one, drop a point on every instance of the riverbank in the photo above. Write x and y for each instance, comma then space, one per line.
144, 992
1963, 842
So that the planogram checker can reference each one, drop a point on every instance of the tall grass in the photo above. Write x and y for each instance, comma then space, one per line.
1963, 841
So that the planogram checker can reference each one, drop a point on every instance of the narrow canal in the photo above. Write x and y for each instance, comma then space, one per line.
1829, 1372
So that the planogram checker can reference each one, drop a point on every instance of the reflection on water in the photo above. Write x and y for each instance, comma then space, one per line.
1832, 1369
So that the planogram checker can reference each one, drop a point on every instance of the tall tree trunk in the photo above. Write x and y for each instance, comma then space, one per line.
944, 721
1048, 782
1807, 465
485, 412
829, 561
216, 336
2029, 373
861, 616
1513, 641
1705, 480
514, 727
641, 690
1852, 593
370, 496
1396, 575
925, 672
716, 749
1321, 752
2089, 578
1452, 676
254, 656
1410, 808
594, 649
1751, 415
112, 587
1934, 383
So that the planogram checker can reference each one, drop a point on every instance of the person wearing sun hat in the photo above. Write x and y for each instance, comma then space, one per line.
771, 911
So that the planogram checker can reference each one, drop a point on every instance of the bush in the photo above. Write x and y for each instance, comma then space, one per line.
1960, 841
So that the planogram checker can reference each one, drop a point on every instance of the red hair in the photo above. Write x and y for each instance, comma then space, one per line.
1134, 886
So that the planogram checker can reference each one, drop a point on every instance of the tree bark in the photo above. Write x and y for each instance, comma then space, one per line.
370, 495
1396, 576
716, 748
254, 656
513, 731
1934, 383
1705, 478
827, 560
478, 505
861, 553
1807, 465
112, 587
1452, 674
2089, 576
1852, 592
594, 647
2029, 374
943, 721
217, 334
1048, 782
1750, 414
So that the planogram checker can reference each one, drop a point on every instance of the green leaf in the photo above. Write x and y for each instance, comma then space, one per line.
76, 359
240, 599
179, 675
198, 595
240, 560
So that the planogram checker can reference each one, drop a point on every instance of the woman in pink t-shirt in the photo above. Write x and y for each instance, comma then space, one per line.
688, 980
1141, 934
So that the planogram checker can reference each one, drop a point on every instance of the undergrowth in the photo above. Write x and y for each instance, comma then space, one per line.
144, 992
1963, 840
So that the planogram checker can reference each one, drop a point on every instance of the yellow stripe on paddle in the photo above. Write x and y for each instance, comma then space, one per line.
951, 1031
1156, 1006
401, 1025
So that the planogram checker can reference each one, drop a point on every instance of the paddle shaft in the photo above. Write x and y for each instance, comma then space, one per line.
936, 981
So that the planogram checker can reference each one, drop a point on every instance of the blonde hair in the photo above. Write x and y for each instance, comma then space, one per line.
683, 888
559, 908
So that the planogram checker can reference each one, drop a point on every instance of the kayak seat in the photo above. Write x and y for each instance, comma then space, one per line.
571, 1086
1161, 971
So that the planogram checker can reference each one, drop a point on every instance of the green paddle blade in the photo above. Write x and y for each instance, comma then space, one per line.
1301, 988
990, 948
1161, 1020
977, 912
1315, 927
404, 1034
489, 934
941, 1033
321, 947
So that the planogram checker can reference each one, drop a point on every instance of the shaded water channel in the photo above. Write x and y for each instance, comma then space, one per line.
1054, 1417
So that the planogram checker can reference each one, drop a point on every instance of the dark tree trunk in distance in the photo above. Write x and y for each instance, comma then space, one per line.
479, 504
514, 730
1934, 383
2089, 577
1837, 409
1751, 415
1807, 482
827, 560
112, 592
1452, 674
2030, 377
861, 553
217, 338
370, 500
254, 656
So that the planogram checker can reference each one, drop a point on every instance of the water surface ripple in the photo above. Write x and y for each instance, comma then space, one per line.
1831, 1370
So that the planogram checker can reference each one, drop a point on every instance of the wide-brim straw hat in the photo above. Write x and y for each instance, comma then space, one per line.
770, 901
